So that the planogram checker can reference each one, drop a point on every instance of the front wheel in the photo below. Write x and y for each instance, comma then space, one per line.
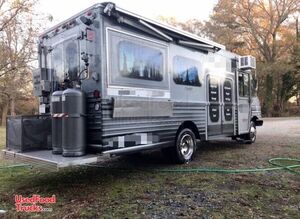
251, 136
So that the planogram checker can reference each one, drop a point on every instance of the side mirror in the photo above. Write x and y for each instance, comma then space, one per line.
255, 84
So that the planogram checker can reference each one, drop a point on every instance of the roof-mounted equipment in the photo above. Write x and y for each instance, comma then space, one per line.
247, 62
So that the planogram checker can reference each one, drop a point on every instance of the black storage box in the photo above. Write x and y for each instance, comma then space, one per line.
27, 133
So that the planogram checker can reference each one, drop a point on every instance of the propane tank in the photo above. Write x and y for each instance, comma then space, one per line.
73, 123
56, 109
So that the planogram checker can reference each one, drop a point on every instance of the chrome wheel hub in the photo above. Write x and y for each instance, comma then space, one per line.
186, 146
252, 133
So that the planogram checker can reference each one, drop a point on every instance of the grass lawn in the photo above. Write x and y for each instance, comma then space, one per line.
115, 192
2, 141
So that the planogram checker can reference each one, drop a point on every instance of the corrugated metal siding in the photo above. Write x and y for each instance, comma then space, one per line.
102, 125
236, 121
195, 112
164, 127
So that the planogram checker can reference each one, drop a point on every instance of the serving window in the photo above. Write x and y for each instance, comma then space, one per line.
186, 71
140, 62
136, 62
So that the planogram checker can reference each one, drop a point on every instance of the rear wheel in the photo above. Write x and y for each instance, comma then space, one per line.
185, 146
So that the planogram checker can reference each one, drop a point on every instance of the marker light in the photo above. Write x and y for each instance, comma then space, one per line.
96, 93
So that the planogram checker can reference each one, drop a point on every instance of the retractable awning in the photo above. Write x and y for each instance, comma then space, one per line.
164, 31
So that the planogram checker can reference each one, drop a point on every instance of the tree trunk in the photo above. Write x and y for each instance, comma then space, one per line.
12, 107
269, 95
4, 114
297, 30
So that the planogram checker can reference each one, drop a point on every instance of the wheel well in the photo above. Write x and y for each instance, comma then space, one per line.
190, 125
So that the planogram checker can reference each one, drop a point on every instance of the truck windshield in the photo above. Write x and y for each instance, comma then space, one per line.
65, 60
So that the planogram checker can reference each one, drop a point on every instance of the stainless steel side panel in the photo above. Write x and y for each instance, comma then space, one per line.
141, 108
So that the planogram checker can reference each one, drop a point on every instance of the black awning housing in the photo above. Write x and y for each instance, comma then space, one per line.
162, 31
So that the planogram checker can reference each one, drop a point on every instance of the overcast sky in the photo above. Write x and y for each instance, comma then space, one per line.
182, 10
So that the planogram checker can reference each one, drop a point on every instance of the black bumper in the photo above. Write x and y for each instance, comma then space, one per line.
259, 122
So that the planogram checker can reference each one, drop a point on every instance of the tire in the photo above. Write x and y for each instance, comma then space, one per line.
185, 146
251, 136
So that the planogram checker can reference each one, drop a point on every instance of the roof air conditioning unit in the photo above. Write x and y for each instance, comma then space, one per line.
247, 62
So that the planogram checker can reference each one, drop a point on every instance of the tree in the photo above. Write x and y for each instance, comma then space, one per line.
193, 25
10, 9
17, 43
295, 62
264, 29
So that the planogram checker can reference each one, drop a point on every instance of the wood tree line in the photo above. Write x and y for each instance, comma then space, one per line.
266, 29
19, 26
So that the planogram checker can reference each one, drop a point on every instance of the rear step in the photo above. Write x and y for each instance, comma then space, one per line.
46, 160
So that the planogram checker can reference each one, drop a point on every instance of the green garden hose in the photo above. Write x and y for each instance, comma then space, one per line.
277, 162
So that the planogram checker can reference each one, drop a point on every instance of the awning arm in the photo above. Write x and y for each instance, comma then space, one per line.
155, 30
201, 46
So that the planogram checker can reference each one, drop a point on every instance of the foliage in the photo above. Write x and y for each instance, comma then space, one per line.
193, 25
295, 62
266, 29
19, 27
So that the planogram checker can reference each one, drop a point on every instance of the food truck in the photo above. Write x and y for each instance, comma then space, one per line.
111, 82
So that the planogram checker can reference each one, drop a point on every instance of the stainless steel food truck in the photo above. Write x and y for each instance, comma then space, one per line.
111, 82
